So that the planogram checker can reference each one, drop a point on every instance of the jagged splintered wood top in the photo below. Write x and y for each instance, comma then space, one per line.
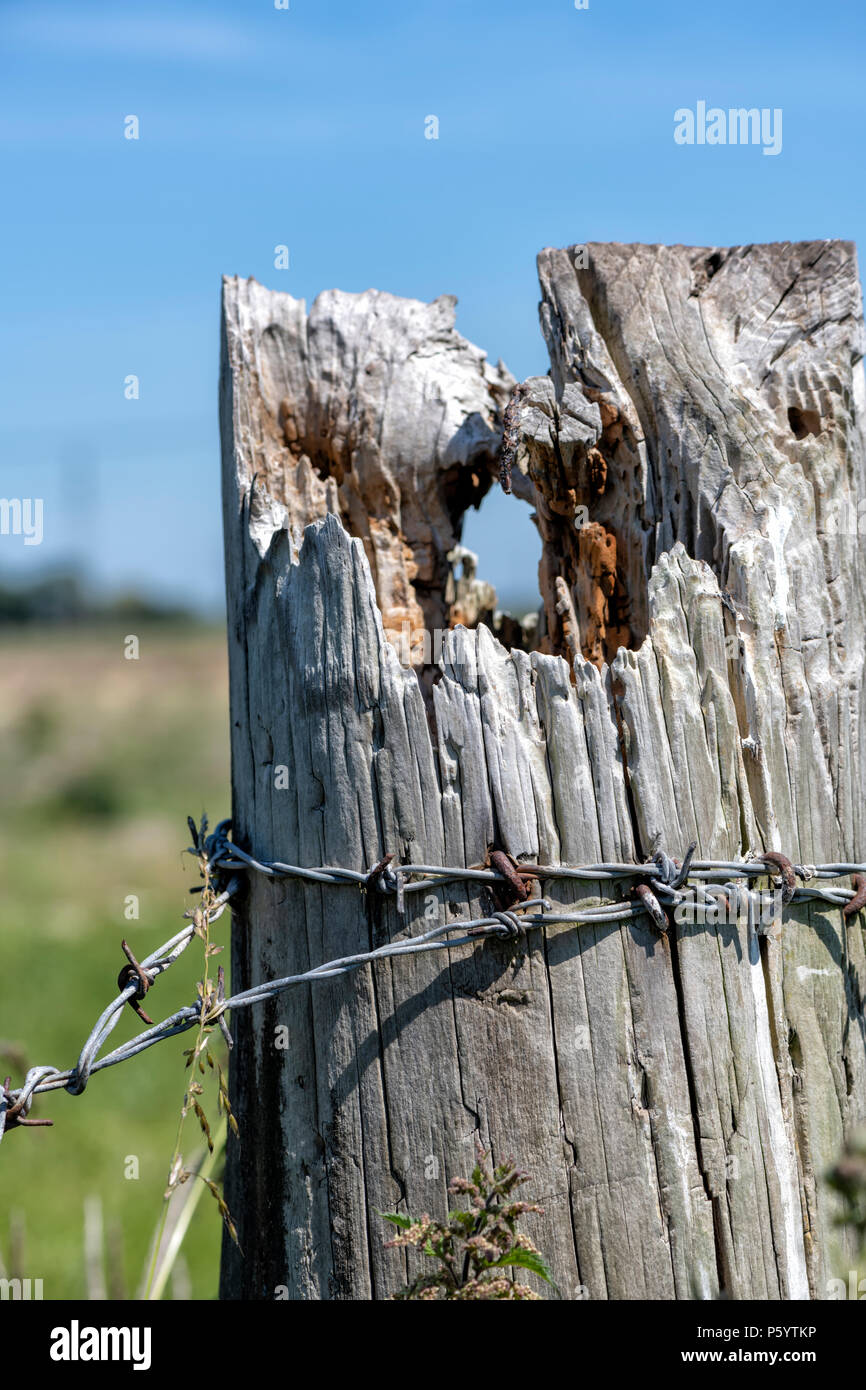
695, 461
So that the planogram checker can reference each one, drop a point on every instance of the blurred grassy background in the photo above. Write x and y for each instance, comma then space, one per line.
101, 760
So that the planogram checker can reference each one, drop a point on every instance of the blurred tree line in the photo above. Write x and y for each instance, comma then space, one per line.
64, 597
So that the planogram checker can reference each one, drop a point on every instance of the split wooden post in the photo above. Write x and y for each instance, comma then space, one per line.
696, 463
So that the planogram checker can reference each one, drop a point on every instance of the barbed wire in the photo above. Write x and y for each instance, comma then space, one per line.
666, 884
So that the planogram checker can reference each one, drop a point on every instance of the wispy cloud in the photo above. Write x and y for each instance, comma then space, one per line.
90, 32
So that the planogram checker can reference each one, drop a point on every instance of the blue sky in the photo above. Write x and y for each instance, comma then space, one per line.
305, 127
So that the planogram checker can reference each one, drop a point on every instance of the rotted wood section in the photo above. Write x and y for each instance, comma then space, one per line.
694, 461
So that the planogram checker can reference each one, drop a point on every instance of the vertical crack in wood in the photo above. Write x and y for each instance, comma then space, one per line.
704, 409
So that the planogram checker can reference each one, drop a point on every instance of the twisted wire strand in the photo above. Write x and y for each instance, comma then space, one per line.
668, 882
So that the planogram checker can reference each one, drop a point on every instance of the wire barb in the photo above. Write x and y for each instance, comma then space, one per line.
134, 972
659, 882
859, 899
14, 1112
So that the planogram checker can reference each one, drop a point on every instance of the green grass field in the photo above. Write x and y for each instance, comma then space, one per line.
101, 760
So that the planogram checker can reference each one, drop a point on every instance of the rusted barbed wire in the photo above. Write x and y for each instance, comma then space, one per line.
664, 883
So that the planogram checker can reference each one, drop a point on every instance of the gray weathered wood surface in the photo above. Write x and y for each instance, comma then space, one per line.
678, 1099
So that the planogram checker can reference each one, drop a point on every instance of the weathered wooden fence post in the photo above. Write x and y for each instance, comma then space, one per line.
696, 461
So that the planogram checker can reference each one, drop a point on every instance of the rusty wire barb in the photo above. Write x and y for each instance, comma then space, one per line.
134, 973
659, 886
859, 898
787, 873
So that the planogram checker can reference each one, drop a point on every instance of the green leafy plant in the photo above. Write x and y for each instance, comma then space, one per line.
477, 1248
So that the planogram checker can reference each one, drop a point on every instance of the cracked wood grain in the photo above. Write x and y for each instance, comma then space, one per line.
676, 1097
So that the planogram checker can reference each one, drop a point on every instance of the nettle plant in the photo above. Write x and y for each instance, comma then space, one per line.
475, 1249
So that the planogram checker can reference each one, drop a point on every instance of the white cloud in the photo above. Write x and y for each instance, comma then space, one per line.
90, 32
